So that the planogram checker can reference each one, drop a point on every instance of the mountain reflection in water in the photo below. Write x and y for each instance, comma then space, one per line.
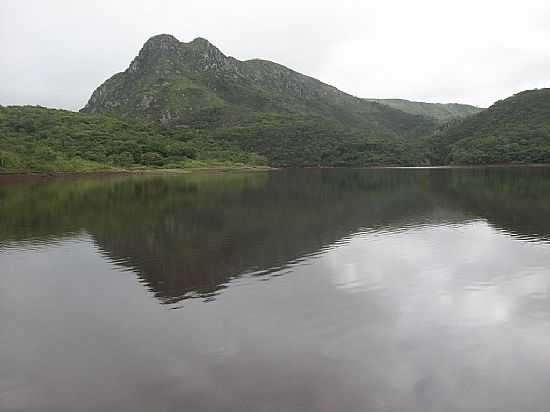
387, 290
187, 236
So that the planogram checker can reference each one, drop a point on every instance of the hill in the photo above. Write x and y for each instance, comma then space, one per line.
195, 85
438, 111
48, 140
514, 130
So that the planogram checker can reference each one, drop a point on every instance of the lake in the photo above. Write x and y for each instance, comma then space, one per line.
297, 290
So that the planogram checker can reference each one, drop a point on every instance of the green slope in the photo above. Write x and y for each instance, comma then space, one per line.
195, 85
516, 129
40, 139
438, 111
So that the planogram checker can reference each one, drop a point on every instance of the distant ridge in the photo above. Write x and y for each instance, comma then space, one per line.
439, 111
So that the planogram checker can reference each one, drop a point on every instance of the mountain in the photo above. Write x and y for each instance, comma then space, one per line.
514, 130
438, 111
195, 85
181, 105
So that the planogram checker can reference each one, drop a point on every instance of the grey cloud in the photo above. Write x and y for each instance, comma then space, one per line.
56, 52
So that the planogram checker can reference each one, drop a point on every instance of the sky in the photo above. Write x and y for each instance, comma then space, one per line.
54, 53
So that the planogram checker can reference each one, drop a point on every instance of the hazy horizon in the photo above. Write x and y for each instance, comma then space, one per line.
433, 51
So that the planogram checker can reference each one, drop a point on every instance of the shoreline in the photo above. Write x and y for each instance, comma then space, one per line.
20, 175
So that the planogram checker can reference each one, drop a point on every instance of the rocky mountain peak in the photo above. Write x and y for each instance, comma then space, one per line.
180, 83
208, 57
201, 43
161, 39
161, 45
165, 48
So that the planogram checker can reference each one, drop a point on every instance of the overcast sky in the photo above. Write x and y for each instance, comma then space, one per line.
55, 52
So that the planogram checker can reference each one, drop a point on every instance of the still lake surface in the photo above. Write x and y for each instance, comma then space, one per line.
313, 290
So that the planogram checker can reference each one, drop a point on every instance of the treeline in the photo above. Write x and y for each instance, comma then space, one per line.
40, 139
309, 141
515, 130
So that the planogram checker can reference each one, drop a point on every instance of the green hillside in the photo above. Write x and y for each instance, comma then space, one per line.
194, 85
514, 130
40, 139
438, 111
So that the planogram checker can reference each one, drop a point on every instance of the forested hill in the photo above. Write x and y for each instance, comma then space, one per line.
195, 85
40, 139
48, 140
438, 111
514, 130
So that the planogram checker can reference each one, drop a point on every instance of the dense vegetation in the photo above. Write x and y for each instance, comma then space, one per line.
40, 139
514, 130
303, 141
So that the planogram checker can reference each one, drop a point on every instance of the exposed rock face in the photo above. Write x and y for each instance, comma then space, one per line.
185, 83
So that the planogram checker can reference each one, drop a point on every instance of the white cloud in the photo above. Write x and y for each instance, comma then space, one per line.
465, 274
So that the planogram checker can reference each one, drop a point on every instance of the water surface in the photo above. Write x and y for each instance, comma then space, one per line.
314, 290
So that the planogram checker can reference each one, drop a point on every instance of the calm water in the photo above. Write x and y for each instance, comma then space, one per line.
382, 290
